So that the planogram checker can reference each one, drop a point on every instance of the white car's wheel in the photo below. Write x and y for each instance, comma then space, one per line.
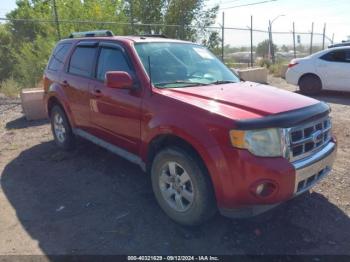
310, 84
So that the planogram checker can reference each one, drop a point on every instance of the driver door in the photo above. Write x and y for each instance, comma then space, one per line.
115, 113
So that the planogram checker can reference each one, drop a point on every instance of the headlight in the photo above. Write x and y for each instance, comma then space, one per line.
263, 142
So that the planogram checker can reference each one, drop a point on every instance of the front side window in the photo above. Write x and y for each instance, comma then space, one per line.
81, 62
111, 59
182, 64
58, 56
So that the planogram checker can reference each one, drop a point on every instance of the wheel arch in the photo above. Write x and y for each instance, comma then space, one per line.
162, 141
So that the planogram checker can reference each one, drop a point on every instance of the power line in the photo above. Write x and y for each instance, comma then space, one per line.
256, 3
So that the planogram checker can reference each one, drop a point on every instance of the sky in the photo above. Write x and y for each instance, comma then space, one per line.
336, 13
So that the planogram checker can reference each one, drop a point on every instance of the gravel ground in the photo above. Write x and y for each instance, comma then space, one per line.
90, 201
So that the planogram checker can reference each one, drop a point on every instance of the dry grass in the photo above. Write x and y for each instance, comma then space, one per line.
10, 87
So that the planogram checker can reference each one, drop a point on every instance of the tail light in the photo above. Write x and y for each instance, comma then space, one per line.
291, 64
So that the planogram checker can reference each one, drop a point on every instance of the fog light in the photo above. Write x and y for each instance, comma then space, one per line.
265, 189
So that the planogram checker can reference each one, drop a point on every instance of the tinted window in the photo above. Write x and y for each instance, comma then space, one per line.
337, 56
111, 60
81, 62
58, 56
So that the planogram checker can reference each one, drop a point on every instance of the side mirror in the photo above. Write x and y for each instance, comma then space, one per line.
118, 79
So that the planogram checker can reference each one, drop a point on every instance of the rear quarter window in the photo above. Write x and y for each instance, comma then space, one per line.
58, 56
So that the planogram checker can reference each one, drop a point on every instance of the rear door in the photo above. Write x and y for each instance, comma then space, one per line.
334, 68
115, 113
76, 81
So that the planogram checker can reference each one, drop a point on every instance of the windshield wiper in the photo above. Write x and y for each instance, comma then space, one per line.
219, 82
187, 83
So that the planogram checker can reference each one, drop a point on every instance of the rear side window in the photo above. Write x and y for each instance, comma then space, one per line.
111, 59
58, 56
81, 62
337, 56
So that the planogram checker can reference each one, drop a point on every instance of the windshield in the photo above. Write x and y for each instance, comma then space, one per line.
182, 65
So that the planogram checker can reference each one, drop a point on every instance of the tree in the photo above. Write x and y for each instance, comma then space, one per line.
263, 48
186, 19
28, 38
6, 57
31, 41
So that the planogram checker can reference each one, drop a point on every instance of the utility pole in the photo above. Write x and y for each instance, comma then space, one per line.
272, 49
251, 41
56, 20
223, 36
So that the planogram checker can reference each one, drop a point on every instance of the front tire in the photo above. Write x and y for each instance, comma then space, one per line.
61, 129
310, 85
182, 187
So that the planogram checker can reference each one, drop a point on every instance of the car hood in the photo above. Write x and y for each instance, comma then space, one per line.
241, 100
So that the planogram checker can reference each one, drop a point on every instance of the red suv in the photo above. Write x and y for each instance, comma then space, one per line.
208, 140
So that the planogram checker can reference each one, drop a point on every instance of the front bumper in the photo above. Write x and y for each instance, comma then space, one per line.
311, 170
307, 173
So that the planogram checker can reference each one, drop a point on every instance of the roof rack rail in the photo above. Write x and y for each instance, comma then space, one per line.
97, 33
153, 35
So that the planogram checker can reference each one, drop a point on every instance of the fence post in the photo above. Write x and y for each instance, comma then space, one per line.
324, 36
294, 49
271, 44
223, 36
312, 35
182, 28
251, 42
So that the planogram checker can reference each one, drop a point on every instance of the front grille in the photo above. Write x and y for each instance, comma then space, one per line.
308, 138
307, 183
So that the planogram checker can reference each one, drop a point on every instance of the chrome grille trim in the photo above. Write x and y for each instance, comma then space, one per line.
306, 139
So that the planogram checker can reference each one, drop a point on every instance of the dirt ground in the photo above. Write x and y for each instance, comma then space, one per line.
90, 201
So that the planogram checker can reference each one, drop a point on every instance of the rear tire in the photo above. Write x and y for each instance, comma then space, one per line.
61, 129
182, 187
310, 85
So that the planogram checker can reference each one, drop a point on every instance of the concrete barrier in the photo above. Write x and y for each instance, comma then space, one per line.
257, 74
33, 103
284, 69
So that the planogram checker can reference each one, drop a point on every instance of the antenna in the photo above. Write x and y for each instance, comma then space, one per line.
150, 74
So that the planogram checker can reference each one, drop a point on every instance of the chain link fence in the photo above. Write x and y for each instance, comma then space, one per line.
238, 47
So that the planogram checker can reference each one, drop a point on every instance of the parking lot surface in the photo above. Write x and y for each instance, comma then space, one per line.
90, 201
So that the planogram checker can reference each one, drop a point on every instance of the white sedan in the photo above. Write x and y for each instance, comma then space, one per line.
325, 70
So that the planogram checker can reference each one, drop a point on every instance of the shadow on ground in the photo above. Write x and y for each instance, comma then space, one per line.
92, 202
22, 122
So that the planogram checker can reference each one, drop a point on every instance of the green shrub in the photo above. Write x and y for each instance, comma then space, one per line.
31, 60
10, 87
